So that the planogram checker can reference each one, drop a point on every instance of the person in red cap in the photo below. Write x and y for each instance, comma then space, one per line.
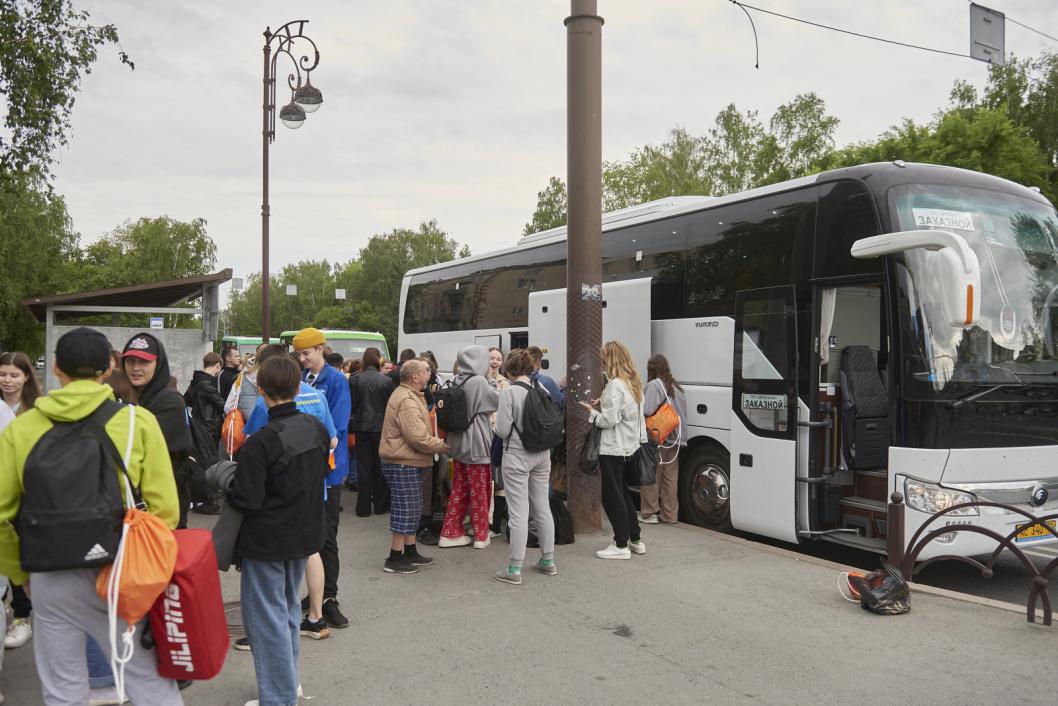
147, 368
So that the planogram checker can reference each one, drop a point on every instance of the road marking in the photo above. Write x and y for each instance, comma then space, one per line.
1042, 553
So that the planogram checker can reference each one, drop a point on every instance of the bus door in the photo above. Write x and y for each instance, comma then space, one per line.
764, 413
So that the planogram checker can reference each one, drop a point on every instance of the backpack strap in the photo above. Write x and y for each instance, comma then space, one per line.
529, 386
96, 423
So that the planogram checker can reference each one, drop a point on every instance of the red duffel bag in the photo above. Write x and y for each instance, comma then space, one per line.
188, 622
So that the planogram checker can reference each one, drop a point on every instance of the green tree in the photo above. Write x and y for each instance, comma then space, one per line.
550, 208
46, 47
39, 249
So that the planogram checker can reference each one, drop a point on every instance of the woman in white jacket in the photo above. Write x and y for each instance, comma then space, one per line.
620, 416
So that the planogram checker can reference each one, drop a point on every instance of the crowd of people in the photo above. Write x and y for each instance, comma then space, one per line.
303, 426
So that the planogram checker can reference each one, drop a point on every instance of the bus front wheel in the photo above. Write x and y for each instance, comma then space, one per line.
705, 488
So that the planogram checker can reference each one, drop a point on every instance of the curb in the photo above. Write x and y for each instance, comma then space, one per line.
915, 587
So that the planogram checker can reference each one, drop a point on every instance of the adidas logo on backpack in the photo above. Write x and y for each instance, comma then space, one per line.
95, 553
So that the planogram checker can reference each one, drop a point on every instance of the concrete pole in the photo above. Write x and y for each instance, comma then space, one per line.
584, 246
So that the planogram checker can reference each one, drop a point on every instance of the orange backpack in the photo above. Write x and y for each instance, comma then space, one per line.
231, 432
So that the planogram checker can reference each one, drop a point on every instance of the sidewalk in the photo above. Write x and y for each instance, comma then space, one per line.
701, 618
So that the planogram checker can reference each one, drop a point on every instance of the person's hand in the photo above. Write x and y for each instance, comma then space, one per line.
564, 383
447, 450
587, 406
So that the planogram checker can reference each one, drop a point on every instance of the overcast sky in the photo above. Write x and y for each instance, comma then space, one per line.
455, 109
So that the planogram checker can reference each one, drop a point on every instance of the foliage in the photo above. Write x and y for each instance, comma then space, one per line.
737, 153
38, 247
46, 46
372, 282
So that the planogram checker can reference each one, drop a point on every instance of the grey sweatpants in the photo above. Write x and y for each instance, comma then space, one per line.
525, 479
65, 608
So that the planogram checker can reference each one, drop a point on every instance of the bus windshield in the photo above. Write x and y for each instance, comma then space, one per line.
1016, 241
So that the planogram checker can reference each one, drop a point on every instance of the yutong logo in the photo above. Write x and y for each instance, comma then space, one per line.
179, 651
706, 324
1039, 495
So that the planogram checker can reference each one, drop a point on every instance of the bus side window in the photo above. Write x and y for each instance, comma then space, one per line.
846, 214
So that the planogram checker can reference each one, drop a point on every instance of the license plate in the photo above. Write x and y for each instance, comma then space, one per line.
1027, 533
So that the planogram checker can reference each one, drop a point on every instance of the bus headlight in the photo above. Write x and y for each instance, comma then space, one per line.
931, 498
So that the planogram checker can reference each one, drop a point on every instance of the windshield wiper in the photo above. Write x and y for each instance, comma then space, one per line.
956, 404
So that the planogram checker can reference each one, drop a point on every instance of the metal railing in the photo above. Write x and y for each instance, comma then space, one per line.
905, 555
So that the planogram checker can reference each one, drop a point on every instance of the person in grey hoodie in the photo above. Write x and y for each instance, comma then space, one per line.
472, 479
525, 475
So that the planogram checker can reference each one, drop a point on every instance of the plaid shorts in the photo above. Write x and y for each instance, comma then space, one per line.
405, 502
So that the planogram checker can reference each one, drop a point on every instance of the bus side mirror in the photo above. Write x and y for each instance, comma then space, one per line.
951, 261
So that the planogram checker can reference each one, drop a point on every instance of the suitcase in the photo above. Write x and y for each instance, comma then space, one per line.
188, 622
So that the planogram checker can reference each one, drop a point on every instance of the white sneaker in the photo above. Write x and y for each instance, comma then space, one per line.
482, 545
454, 542
255, 702
105, 696
18, 633
614, 552
639, 547
648, 519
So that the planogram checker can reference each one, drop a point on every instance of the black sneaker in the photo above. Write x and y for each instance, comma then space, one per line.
400, 565
316, 630
418, 559
428, 537
243, 644
333, 615
210, 507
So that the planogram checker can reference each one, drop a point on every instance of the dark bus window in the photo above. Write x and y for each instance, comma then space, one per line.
759, 243
652, 250
443, 305
505, 287
846, 214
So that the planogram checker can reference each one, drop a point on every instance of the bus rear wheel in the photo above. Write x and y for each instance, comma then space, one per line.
705, 488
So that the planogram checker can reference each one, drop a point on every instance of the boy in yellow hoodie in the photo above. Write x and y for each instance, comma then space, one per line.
66, 606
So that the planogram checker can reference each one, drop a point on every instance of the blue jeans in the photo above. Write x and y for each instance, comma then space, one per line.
99, 673
271, 615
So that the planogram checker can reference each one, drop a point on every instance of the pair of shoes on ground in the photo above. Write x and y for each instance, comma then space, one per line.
406, 564
507, 576
615, 552
463, 541
18, 633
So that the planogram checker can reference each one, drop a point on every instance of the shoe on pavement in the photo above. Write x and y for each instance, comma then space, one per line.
210, 507
483, 543
461, 541
639, 547
494, 533
614, 552
418, 559
243, 644
105, 696
333, 614
541, 568
507, 576
255, 702
428, 537
18, 633
315, 630
399, 565
648, 519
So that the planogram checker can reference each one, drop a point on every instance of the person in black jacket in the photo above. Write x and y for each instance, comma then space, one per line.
370, 391
232, 360
147, 368
394, 375
279, 489
203, 395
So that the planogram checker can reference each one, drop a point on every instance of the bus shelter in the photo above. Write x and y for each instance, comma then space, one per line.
183, 314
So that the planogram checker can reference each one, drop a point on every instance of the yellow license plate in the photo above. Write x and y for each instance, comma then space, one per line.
1033, 532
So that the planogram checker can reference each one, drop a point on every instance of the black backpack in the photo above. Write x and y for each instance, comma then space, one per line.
450, 401
543, 423
71, 511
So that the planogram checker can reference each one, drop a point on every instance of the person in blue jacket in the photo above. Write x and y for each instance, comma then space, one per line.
308, 345
308, 401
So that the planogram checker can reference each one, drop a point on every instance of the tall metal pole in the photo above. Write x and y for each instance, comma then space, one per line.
267, 110
584, 244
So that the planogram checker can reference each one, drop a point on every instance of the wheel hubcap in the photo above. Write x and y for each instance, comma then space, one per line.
711, 493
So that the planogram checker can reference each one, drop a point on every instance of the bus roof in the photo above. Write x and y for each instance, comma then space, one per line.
339, 335
246, 339
878, 176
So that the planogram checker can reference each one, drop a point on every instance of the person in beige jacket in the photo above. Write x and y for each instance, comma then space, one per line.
407, 447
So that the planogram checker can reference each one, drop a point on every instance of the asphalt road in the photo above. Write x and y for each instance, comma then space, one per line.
1010, 581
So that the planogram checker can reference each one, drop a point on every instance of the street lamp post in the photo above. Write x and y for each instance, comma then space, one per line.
304, 98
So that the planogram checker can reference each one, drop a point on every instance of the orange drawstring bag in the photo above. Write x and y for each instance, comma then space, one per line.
142, 569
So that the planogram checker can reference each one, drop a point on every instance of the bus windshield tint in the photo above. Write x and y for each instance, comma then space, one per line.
1016, 242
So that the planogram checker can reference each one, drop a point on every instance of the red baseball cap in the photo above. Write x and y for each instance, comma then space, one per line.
144, 347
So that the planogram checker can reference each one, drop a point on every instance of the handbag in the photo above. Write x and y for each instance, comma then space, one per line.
589, 452
883, 591
642, 466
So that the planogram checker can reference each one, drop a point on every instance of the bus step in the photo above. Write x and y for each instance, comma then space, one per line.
864, 503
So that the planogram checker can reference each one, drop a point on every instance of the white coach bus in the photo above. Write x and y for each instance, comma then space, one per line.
886, 327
